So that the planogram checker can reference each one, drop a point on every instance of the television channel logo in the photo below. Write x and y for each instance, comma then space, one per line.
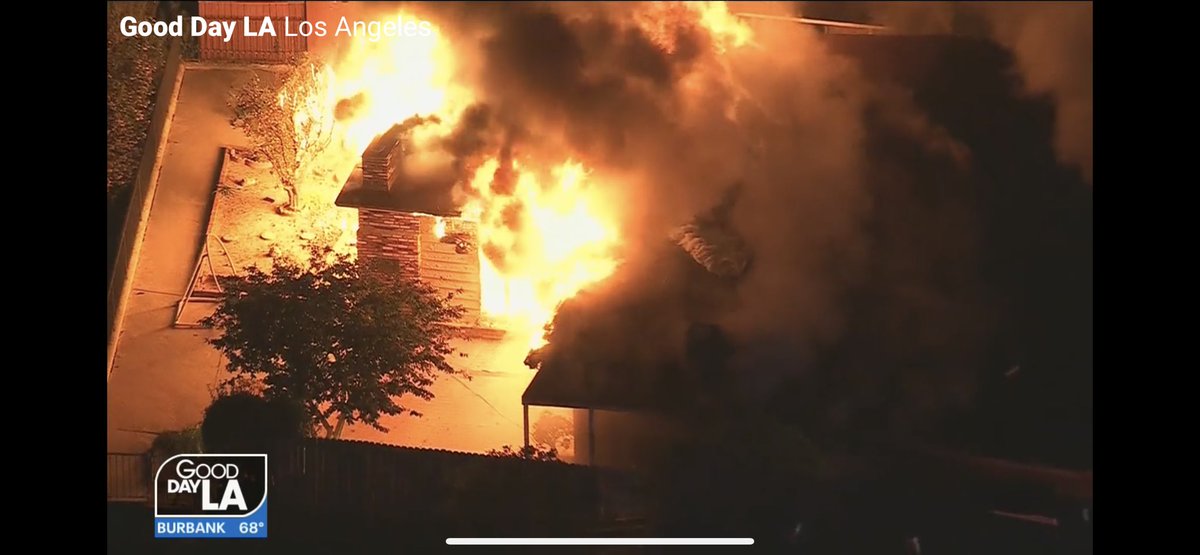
211, 496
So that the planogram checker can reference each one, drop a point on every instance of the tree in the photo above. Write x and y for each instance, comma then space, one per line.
288, 120
343, 342
248, 423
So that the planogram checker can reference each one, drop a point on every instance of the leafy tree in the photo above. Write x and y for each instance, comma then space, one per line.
288, 120
135, 66
343, 342
248, 423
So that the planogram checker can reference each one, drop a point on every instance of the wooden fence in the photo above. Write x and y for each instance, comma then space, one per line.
383, 486
261, 49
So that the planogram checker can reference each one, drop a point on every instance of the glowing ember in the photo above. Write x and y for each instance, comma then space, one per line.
439, 227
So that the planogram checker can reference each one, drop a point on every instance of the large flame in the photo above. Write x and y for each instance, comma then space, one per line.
725, 28
378, 84
543, 243
662, 21
552, 234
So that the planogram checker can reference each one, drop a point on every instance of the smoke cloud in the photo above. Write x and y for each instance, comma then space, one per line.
846, 257
670, 126
1050, 41
669, 118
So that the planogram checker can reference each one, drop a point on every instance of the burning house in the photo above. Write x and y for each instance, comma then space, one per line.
653, 358
408, 222
639, 394
651, 362
880, 197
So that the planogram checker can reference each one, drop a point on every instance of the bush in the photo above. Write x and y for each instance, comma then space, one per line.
176, 442
248, 423
135, 67
530, 453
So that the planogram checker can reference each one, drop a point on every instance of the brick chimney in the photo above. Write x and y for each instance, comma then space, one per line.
383, 159
391, 238
383, 235
398, 235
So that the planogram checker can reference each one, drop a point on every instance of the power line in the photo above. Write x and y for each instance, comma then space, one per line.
818, 22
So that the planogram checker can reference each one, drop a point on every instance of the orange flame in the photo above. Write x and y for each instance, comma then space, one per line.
562, 241
553, 234
376, 85
662, 22
725, 28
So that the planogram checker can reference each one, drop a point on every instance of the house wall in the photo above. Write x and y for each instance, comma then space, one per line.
450, 271
389, 236
621, 440
409, 241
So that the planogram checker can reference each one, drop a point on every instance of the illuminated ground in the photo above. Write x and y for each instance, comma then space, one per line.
245, 220
162, 376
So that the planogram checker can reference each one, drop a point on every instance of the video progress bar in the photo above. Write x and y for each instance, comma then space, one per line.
599, 541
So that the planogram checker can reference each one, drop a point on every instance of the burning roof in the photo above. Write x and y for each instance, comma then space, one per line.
921, 283
424, 196
712, 243
394, 176
584, 374
697, 270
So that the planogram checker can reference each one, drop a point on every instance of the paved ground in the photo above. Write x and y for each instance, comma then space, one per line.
466, 415
162, 377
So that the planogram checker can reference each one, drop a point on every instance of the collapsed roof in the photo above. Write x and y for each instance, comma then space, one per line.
680, 355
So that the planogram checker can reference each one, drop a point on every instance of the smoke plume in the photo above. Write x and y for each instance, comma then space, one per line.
843, 181
1050, 41
670, 118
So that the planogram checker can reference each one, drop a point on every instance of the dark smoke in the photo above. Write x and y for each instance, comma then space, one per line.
1053, 45
471, 137
585, 81
1051, 41
671, 126
864, 304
